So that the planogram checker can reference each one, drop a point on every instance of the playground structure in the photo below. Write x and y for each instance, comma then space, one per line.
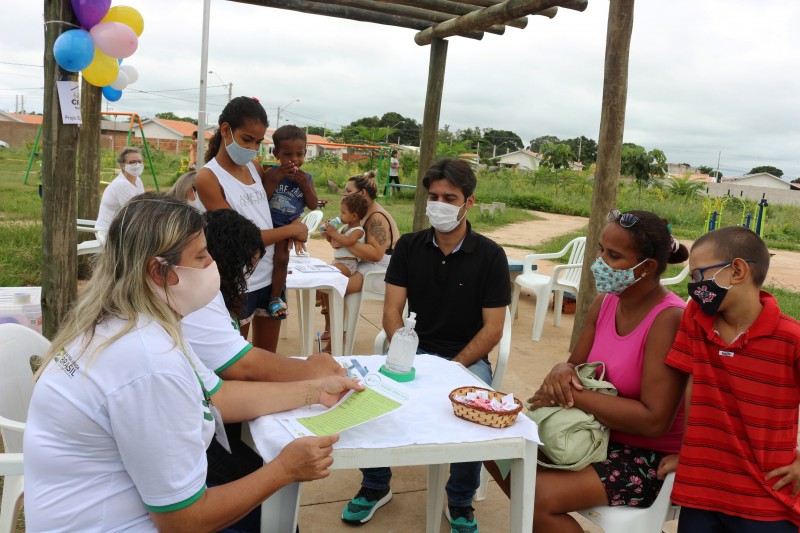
715, 207
134, 118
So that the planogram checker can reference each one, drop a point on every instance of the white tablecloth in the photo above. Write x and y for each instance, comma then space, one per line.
308, 280
426, 419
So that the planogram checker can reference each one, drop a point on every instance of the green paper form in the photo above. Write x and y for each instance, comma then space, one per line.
356, 409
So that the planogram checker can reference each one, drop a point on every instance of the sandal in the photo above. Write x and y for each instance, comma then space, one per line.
277, 308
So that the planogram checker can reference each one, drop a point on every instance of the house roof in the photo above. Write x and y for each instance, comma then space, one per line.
23, 117
776, 179
319, 140
180, 127
526, 152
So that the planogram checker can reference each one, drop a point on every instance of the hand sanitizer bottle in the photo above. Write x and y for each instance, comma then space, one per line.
402, 350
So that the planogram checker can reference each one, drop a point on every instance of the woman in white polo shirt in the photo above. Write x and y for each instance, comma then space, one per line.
123, 410
121, 189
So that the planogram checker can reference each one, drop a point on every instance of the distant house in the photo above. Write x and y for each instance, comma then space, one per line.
761, 179
17, 129
317, 145
160, 128
522, 160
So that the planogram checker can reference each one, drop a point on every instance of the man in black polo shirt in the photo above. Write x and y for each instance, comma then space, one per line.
457, 282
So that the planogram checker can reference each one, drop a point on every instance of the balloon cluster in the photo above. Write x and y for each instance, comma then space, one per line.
108, 35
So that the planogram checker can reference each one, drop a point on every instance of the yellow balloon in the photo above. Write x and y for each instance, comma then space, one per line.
102, 71
126, 15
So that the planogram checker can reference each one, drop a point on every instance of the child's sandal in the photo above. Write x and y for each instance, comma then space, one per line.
277, 308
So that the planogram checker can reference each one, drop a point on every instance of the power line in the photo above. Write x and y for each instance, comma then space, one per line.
20, 64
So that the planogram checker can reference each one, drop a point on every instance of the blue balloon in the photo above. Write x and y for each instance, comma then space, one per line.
74, 50
111, 94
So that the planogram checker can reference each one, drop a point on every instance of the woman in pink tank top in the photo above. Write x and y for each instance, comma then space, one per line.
630, 327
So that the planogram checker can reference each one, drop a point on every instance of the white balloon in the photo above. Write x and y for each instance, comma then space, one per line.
121, 82
131, 72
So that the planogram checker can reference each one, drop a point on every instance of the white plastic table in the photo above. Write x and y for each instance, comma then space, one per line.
307, 284
431, 435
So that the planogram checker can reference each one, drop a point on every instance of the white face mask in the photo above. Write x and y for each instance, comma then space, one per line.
196, 288
444, 217
135, 169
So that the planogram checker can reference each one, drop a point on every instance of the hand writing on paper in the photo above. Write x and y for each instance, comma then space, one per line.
308, 458
323, 365
331, 389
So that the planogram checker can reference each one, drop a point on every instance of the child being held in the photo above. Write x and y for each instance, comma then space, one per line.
738, 461
354, 208
289, 190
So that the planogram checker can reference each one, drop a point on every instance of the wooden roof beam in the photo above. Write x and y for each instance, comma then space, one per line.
405, 10
549, 13
489, 16
453, 8
350, 13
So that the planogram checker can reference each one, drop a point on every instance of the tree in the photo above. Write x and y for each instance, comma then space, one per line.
504, 140
704, 169
643, 166
318, 130
716, 174
169, 115
685, 187
767, 168
557, 156
796, 180
538, 143
587, 148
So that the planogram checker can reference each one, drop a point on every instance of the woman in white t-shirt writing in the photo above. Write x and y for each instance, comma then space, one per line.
231, 179
123, 409
121, 189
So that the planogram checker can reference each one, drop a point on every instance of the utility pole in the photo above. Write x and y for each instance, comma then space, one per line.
580, 145
717, 178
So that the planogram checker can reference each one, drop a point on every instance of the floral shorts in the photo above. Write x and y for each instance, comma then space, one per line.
629, 475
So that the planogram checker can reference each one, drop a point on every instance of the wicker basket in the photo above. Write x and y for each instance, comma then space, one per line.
479, 415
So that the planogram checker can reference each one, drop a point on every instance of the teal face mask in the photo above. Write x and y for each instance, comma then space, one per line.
239, 154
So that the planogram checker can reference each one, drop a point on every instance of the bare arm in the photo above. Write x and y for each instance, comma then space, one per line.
377, 241
394, 301
296, 231
304, 459
210, 191
307, 186
486, 338
262, 365
662, 387
344, 241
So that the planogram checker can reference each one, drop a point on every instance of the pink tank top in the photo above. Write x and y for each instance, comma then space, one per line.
623, 357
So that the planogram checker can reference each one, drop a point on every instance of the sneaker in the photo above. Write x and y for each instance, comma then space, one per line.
461, 519
360, 509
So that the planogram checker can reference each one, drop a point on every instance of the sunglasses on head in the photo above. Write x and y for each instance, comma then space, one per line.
626, 220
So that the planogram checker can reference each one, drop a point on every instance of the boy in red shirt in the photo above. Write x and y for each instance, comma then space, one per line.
743, 357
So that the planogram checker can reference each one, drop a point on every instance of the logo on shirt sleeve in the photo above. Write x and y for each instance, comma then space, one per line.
66, 363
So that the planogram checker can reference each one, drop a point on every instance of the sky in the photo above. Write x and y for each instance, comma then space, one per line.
707, 79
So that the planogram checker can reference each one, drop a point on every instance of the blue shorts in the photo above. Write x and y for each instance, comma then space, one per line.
256, 303
700, 521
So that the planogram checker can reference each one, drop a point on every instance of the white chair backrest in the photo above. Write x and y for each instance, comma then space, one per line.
573, 276
682, 275
17, 345
503, 351
313, 219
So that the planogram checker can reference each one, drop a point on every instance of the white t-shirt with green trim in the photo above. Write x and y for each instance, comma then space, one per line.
214, 335
115, 435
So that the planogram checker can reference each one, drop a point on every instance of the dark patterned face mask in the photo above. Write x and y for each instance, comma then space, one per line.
707, 293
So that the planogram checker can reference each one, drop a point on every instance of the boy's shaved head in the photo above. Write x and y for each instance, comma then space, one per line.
733, 242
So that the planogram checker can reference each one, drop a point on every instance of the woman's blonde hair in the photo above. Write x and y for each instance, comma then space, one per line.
183, 185
149, 225
366, 182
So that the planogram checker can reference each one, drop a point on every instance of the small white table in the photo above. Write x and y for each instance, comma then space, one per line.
432, 435
307, 284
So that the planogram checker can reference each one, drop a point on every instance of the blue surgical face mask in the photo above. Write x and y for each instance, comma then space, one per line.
239, 154
613, 280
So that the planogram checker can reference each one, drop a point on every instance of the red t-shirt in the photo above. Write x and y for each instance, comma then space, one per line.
743, 414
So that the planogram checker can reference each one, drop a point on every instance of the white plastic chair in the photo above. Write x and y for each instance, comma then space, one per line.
94, 246
626, 519
17, 345
564, 278
312, 219
676, 279
352, 305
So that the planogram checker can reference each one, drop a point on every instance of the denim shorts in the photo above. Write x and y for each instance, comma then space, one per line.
256, 304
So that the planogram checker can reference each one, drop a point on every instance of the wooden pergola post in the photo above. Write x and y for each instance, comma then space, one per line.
89, 151
59, 141
609, 154
430, 126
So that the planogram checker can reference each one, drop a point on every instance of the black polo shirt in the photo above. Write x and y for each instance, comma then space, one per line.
448, 293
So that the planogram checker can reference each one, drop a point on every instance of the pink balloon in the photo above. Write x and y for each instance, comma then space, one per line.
115, 39
90, 12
